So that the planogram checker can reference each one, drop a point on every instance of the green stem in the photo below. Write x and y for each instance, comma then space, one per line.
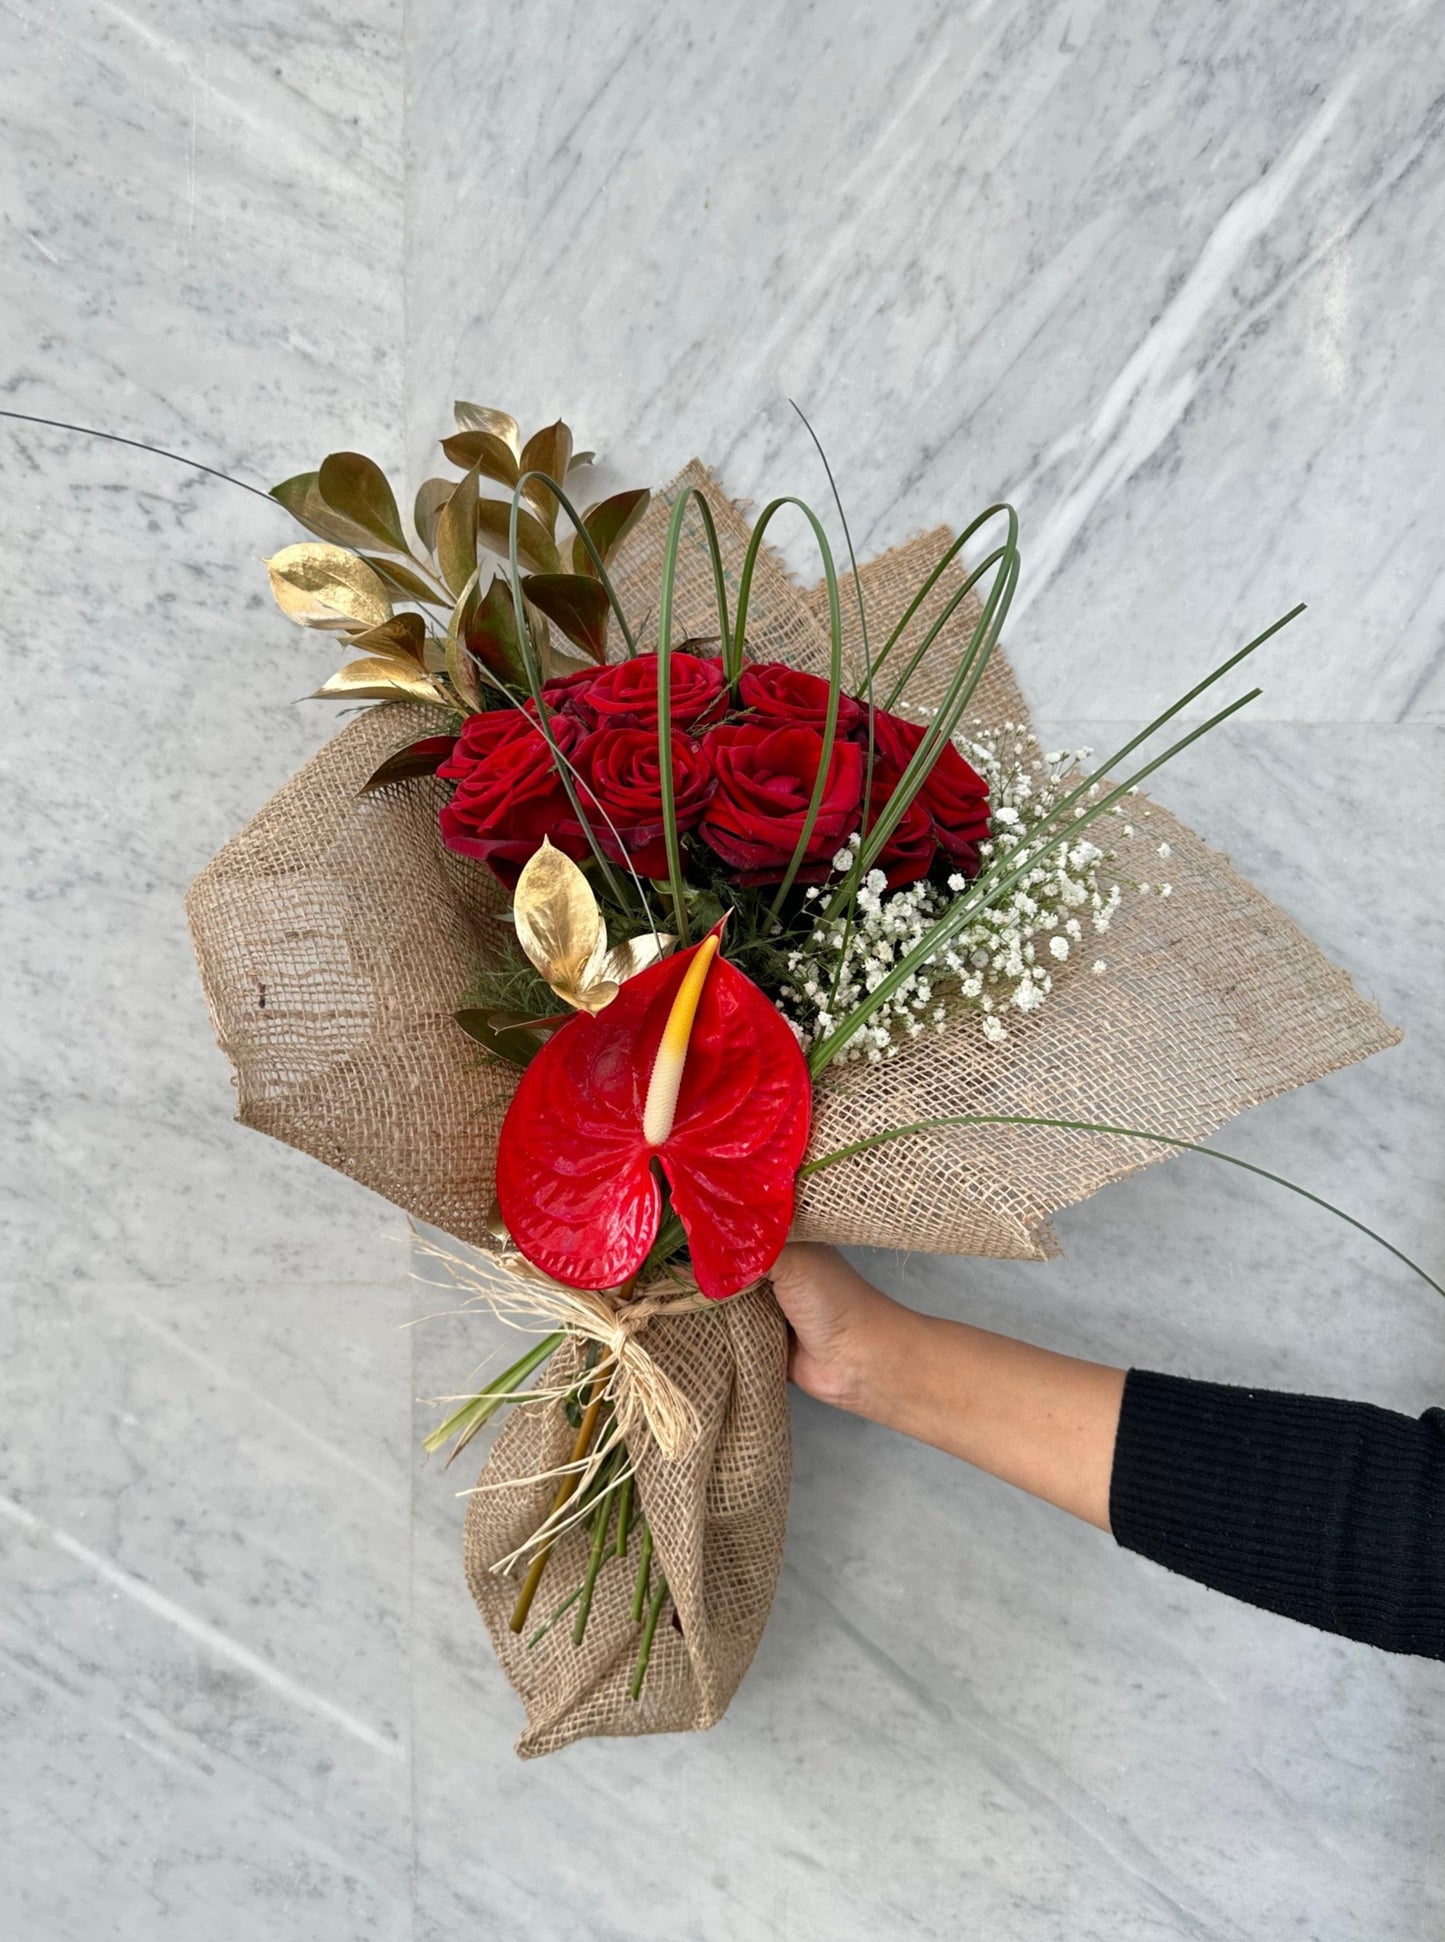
601, 1520
1122, 1132
644, 1567
644, 1651
565, 1607
624, 1514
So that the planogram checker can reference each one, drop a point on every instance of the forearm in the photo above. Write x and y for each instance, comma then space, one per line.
1044, 1422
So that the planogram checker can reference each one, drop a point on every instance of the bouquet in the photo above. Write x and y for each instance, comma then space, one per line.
661, 909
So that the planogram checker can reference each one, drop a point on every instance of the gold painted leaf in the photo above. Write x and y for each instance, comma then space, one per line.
560, 927
356, 487
301, 497
482, 418
536, 548
403, 581
578, 605
417, 758
487, 622
403, 634
549, 451
456, 546
375, 679
624, 961
325, 586
485, 452
608, 523
431, 496
580, 458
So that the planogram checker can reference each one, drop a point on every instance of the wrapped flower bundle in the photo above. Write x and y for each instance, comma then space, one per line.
661, 910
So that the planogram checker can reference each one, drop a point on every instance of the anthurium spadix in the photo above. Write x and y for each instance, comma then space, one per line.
690, 1071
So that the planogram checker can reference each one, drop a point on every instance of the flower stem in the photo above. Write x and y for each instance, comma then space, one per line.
601, 1522
624, 1516
644, 1651
564, 1490
644, 1566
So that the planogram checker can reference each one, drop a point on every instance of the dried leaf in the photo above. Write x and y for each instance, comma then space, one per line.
380, 680
483, 452
432, 495
549, 451
578, 606
456, 547
403, 580
356, 487
417, 758
608, 524
324, 586
301, 497
482, 418
560, 927
535, 546
403, 634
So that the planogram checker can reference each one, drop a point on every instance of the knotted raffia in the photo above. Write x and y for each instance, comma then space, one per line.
336, 938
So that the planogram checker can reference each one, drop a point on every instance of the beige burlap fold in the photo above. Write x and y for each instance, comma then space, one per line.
336, 938
717, 1515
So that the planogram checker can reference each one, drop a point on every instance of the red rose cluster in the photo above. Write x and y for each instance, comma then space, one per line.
742, 776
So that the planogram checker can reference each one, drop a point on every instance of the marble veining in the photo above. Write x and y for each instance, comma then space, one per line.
1169, 278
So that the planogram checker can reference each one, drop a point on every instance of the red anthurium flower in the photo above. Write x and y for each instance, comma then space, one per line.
689, 1066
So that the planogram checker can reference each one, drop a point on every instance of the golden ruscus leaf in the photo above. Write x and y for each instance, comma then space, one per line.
608, 523
456, 544
325, 586
403, 582
577, 605
549, 451
431, 496
417, 758
482, 418
302, 498
536, 549
490, 455
560, 927
356, 487
375, 679
624, 961
403, 634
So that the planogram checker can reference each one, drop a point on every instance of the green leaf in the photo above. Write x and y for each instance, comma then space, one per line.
549, 451
456, 546
401, 579
577, 605
432, 495
402, 634
355, 487
417, 758
517, 1048
483, 452
482, 418
608, 524
535, 547
302, 498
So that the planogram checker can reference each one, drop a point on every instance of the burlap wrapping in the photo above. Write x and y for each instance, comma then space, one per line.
336, 938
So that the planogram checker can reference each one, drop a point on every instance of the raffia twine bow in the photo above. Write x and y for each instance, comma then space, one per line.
637, 1386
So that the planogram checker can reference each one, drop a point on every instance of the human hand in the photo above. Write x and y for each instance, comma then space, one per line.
841, 1327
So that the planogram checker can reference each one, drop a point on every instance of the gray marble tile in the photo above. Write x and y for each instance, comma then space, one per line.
1168, 277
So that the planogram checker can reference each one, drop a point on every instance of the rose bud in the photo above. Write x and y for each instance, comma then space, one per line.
765, 779
509, 794
622, 775
784, 697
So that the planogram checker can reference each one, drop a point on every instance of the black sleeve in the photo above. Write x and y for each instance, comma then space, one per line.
1332, 1513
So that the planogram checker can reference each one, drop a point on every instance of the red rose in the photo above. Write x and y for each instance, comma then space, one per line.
909, 852
508, 794
622, 775
565, 692
954, 795
765, 779
624, 694
785, 697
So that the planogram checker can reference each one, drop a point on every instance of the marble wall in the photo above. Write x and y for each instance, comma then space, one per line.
1168, 278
